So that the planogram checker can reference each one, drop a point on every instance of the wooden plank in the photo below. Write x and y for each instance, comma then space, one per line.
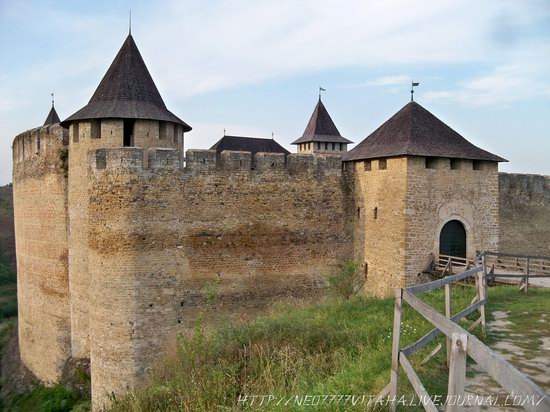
482, 292
457, 371
425, 287
431, 354
448, 314
527, 276
394, 373
421, 392
473, 325
516, 275
383, 393
511, 255
428, 337
494, 364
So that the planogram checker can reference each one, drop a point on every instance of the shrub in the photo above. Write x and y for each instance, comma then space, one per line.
347, 281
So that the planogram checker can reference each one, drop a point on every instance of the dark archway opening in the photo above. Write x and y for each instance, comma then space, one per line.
452, 239
128, 132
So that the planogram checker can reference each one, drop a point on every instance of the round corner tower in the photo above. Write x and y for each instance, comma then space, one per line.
40, 216
421, 190
126, 110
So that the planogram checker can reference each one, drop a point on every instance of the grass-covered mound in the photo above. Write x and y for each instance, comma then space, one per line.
335, 347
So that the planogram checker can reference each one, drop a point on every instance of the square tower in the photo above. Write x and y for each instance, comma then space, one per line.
421, 190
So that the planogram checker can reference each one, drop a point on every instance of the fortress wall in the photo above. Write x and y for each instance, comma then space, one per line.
380, 241
524, 205
40, 208
435, 196
164, 241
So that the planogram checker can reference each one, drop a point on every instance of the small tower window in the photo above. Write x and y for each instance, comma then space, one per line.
163, 130
367, 165
376, 212
326, 146
358, 213
455, 164
478, 164
334, 146
128, 126
95, 129
382, 164
431, 162
318, 145
341, 147
76, 134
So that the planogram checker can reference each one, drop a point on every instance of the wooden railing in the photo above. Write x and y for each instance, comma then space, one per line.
460, 344
510, 266
448, 263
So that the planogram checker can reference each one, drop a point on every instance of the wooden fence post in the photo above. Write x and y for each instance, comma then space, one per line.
394, 374
527, 276
457, 372
448, 314
482, 293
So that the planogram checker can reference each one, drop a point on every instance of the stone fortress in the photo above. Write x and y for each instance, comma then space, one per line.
118, 231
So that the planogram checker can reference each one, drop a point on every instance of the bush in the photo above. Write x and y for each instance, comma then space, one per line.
42, 399
347, 281
8, 310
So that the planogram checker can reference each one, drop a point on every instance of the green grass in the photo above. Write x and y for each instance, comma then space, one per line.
333, 347
58, 398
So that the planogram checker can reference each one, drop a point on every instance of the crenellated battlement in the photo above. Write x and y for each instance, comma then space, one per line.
38, 142
206, 161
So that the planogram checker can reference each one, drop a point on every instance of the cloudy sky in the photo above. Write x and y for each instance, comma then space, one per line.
254, 67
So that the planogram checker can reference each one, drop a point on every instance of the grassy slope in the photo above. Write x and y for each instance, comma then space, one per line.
335, 347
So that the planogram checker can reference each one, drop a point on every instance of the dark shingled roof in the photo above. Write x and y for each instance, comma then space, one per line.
127, 91
248, 144
414, 131
321, 128
52, 118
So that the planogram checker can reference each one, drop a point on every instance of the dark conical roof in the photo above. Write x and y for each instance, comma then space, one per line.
127, 91
52, 118
415, 131
321, 128
248, 144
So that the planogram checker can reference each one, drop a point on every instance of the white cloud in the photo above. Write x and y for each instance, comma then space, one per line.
389, 80
192, 48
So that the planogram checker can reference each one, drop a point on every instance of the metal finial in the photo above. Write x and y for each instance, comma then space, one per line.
321, 90
130, 24
272, 135
224, 131
53, 102
413, 84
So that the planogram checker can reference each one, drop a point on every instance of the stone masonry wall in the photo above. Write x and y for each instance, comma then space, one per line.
146, 134
435, 196
40, 208
159, 236
379, 216
524, 204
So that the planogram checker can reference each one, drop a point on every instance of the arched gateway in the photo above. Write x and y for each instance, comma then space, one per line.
452, 239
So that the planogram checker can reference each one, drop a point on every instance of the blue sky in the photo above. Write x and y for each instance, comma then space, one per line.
254, 67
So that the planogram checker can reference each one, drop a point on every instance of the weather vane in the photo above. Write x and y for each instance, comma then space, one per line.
321, 90
413, 85
130, 23
52, 99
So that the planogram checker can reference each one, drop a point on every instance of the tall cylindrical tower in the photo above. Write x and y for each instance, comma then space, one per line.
126, 110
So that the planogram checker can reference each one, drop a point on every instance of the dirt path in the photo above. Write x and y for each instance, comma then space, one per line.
527, 347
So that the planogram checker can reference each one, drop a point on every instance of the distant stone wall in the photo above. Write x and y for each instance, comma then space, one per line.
524, 204
159, 237
40, 208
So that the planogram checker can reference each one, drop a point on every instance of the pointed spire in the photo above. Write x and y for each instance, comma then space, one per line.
127, 91
321, 128
130, 24
52, 118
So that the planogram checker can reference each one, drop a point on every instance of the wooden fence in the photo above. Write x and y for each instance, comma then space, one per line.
459, 342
